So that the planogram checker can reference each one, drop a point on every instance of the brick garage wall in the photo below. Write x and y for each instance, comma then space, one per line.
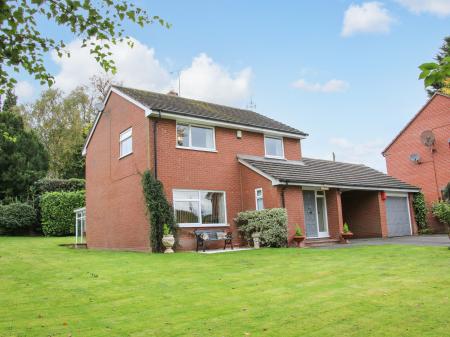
115, 208
334, 213
365, 213
434, 171
187, 169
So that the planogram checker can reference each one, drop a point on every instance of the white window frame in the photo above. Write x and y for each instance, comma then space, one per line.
190, 147
123, 137
259, 189
282, 147
200, 224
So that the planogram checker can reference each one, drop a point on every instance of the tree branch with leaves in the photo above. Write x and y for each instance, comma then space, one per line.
99, 24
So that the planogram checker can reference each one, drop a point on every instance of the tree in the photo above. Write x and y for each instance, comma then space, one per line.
97, 23
62, 123
100, 85
436, 75
23, 159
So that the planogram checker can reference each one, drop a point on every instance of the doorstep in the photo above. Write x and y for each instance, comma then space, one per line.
321, 242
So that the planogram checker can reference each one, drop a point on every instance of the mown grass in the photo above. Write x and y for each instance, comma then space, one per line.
47, 290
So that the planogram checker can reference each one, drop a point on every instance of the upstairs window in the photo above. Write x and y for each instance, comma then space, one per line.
195, 137
273, 147
259, 199
126, 142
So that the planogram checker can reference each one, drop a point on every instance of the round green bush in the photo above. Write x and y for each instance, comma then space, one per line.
16, 218
57, 216
271, 223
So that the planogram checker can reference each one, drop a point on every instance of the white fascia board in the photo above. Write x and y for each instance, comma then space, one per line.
270, 178
229, 125
363, 188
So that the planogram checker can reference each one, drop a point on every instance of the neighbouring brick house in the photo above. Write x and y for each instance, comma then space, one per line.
420, 153
216, 161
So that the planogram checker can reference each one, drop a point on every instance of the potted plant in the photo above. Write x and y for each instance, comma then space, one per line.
298, 237
346, 234
168, 239
255, 237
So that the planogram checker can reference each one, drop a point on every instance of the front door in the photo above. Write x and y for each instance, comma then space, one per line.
315, 214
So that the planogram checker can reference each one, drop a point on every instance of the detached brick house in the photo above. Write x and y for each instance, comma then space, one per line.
216, 161
420, 153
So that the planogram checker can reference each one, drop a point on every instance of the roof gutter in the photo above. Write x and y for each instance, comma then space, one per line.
350, 187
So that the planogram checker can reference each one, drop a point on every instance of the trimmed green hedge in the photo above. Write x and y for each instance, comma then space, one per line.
52, 185
57, 216
16, 218
271, 223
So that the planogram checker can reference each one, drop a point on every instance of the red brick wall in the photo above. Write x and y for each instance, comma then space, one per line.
434, 171
115, 212
293, 199
250, 180
364, 213
334, 213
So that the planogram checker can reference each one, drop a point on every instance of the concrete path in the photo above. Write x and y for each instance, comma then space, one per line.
420, 240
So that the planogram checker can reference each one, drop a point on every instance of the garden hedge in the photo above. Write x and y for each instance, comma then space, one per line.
57, 216
270, 223
16, 218
441, 210
52, 185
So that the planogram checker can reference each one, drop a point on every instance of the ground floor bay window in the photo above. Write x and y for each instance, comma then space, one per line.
199, 208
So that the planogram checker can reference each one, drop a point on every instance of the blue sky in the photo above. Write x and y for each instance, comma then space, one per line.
343, 71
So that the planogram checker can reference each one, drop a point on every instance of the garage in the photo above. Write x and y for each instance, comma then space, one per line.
398, 215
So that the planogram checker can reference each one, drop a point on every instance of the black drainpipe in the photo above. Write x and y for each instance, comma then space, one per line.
155, 144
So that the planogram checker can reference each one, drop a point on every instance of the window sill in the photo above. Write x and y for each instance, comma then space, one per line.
188, 225
274, 157
196, 149
125, 155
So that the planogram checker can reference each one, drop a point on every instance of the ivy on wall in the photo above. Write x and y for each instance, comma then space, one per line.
420, 212
159, 211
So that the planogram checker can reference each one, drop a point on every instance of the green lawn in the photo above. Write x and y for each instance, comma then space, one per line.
47, 290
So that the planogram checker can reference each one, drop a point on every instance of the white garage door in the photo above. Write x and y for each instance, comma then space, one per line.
397, 213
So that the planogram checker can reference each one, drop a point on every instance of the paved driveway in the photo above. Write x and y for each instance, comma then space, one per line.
421, 240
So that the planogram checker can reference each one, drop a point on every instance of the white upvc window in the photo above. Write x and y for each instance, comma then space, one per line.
259, 198
196, 137
199, 208
126, 143
273, 147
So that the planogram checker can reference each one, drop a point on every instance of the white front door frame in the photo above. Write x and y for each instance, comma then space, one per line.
326, 233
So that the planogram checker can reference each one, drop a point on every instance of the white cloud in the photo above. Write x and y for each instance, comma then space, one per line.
207, 80
367, 153
24, 91
327, 87
370, 17
138, 67
436, 7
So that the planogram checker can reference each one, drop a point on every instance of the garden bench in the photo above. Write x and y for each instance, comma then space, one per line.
202, 236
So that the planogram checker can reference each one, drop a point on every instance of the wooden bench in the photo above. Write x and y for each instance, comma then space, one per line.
202, 236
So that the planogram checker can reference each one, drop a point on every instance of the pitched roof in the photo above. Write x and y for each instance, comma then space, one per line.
413, 119
215, 112
323, 172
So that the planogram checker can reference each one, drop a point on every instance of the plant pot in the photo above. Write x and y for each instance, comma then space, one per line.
168, 241
298, 239
255, 237
345, 237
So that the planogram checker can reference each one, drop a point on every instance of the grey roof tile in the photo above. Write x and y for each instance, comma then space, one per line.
325, 172
193, 108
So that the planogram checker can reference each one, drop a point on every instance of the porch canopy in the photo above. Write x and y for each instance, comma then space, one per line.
373, 203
